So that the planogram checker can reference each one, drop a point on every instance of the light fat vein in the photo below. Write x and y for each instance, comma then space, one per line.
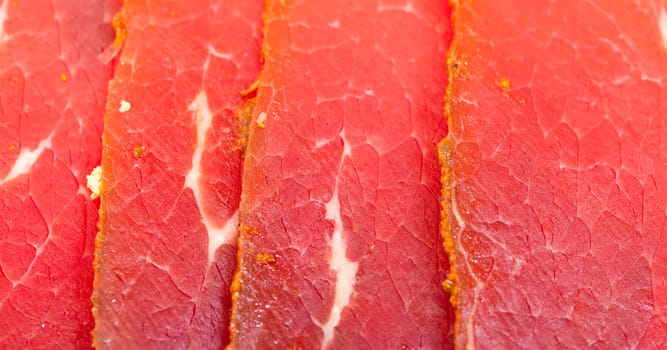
345, 269
217, 236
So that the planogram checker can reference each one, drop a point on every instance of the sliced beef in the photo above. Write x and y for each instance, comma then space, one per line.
555, 174
339, 244
52, 91
171, 173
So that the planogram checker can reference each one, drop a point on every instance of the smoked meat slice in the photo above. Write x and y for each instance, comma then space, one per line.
339, 240
52, 90
555, 173
171, 173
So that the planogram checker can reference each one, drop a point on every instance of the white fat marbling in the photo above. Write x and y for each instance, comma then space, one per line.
345, 269
26, 159
217, 236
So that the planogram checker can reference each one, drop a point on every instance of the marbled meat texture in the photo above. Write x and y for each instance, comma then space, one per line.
172, 173
52, 92
339, 244
556, 174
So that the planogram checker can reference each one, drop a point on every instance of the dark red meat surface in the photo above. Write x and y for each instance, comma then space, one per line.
556, 174
52, 90
339, 244
171, 173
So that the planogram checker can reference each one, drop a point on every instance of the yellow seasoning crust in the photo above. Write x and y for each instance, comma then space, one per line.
504, 83
448, 285
236, 284
244, 115
139, 152
247, 230
266, 258
445, 159
63, 77
456, 72
118, 24
252, 89
235, 288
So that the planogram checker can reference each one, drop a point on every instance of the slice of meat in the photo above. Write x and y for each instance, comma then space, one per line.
339, 244
171, 173
52, 91
556, 174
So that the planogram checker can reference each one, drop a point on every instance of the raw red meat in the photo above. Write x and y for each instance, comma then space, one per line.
556, 174
171, 173
52, 92
339, 244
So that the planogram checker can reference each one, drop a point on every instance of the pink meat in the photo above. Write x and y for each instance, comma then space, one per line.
339, 243
558, 177
171, 173
52, 91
